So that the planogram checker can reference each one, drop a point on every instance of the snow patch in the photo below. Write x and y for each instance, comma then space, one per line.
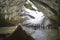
39, 16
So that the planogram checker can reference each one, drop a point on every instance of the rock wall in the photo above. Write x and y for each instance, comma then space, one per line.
49, 7
10, 10
54, 4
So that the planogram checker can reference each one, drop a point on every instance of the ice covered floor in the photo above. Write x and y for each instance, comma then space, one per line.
38, 18
41, 34
38, 34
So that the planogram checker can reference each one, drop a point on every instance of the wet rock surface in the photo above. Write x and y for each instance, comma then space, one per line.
42, 34
50, 8
11, 9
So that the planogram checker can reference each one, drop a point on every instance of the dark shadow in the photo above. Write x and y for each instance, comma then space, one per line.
19, 34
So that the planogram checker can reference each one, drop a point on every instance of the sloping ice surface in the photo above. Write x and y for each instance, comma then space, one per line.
40, 33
